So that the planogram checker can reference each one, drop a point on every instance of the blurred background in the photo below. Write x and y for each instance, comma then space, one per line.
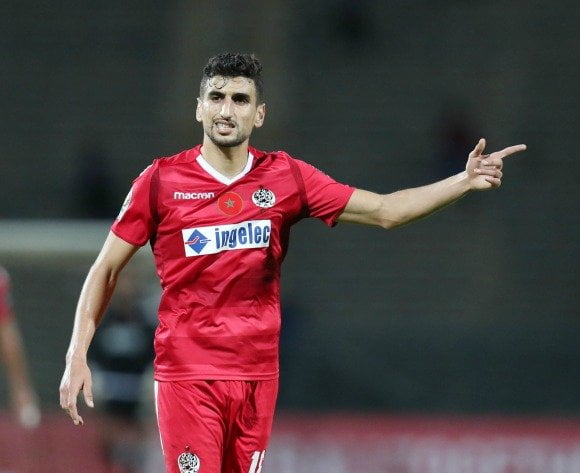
463, 326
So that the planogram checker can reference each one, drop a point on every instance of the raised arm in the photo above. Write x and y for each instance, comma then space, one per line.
482, 172
94, 298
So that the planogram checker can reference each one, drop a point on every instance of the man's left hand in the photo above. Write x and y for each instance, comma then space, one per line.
485, 170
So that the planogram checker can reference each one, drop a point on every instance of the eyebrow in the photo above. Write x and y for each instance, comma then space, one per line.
235, 96
241, 96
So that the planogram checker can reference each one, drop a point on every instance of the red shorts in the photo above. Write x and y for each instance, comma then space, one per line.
215, 426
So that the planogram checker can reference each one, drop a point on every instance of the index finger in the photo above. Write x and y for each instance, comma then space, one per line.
510, 150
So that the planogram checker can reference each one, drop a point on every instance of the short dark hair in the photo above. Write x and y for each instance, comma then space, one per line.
234, 65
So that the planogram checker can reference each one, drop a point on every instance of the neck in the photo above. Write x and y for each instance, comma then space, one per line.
229, 161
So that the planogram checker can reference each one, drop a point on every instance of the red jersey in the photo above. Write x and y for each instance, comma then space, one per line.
5, 300
218, 245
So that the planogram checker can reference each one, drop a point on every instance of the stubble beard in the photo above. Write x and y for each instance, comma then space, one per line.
219, 141
226, 141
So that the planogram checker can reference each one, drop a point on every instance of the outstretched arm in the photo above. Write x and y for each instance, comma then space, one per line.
94, 298
482, 172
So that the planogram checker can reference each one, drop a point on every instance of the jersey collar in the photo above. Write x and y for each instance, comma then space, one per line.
219, 176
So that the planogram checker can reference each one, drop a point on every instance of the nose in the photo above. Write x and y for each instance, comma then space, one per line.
227, 108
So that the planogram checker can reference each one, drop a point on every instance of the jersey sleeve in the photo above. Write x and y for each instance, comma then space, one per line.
5, 297
326, 198
135, 223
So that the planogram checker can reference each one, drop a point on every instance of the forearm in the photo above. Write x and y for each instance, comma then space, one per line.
405, 206
96, 293
93, 300
482, 172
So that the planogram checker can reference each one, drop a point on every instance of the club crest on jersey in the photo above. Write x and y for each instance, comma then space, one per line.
264, 198
217, 238
188, 462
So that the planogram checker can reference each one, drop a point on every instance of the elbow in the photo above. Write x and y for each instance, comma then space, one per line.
104, 273
386, 218
388, 224
396, 221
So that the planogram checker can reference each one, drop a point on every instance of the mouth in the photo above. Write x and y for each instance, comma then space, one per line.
224, 126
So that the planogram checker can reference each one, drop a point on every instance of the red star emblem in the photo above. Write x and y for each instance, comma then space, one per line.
230, 203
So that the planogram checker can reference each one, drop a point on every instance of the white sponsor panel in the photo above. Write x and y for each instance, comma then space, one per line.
217, 238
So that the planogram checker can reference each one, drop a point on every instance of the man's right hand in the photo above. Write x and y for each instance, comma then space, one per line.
77, 377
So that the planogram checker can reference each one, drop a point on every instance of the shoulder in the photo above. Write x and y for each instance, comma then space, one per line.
283, 160
183, 157
278, 156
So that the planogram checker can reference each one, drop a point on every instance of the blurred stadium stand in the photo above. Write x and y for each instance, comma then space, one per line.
334, 443
51, 447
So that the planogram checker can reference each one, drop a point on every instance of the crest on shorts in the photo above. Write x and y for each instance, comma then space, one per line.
188, 462
264, 198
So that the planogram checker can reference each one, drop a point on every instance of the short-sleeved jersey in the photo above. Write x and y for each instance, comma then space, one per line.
218, 245
5, 297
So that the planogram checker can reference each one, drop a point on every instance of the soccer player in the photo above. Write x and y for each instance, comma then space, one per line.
23, 397
218, 218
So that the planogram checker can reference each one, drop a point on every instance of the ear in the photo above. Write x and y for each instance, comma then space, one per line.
198, 110
260, 115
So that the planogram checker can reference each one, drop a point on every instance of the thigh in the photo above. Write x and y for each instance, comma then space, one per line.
251, 426
191, 422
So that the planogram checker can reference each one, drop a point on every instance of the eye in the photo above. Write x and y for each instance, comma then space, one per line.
214, 97
242, 99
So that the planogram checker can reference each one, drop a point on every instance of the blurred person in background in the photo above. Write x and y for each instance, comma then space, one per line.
23, 398
218, 217
120, 355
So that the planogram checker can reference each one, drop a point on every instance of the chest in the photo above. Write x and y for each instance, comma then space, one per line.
191, 199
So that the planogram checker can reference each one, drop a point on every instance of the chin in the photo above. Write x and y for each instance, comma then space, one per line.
227, 143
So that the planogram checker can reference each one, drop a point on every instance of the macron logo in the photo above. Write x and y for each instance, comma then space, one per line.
193, 195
